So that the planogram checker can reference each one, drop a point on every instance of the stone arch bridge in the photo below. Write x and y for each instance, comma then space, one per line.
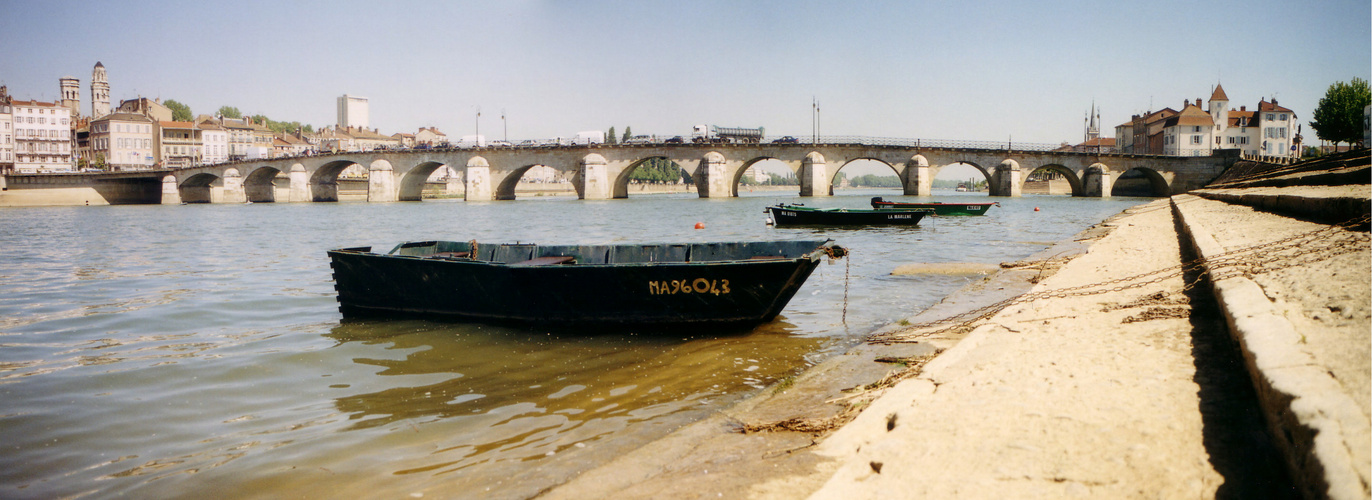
602, 171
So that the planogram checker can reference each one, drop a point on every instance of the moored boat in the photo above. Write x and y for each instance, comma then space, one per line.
629, 285
800, 215
938, 208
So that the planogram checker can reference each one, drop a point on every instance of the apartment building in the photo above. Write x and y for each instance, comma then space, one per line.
42, 137
178, 144
122, 141
6, 132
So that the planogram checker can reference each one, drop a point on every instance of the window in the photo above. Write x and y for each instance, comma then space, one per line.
1283, 117
42, 121
1271, 117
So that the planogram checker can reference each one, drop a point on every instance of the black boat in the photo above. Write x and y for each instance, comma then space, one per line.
740, 283
800, 215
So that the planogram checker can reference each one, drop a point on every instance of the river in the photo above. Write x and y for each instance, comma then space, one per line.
168, 351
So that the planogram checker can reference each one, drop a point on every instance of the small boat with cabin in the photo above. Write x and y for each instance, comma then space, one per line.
938, 208
624, 285
786, 214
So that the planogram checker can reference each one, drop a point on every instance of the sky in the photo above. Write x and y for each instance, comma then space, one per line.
960, 70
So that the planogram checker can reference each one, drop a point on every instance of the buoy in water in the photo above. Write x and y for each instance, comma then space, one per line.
700, 225
1036, 209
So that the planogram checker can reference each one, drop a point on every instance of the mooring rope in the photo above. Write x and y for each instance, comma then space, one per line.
1322, 244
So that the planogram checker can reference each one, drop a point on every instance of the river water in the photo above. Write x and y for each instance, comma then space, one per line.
167, 351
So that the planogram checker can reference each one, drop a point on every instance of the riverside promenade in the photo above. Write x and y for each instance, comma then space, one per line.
1210, 345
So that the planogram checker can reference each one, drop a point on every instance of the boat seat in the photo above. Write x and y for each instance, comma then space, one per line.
450, 255
545, 261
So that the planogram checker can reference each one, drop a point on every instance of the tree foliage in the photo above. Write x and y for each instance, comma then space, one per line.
659, 170
1339, 115
230, 112
628, 132
610, 137
180, 112
873, 180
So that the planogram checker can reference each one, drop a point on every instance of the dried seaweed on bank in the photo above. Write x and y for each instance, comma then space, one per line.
857, 399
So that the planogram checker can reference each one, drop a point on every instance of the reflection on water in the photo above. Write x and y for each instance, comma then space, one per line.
164, 351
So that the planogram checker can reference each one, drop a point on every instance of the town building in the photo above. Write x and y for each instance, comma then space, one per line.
214, 141
122, 141
178, 144
6, 132
430, 136
42, 137
406, 140
1271, 130
240, 137
291, 144
100, 92
370, 139
353, 112
151, 108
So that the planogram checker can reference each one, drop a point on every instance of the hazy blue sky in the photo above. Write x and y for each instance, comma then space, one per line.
942, 70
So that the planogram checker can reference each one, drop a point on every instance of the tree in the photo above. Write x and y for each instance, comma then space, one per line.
1338, 117
180, 112
610, 137
230, 112
628, 132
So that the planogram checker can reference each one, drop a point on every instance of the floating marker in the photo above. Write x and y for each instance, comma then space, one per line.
700, 225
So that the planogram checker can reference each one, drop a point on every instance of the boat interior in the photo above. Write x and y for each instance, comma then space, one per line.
530, 254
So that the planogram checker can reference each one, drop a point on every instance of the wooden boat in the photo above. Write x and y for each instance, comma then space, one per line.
742, 283
800, 215
938, 207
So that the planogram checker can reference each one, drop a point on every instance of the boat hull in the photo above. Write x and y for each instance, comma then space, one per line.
937, 208
640, 294
787, 215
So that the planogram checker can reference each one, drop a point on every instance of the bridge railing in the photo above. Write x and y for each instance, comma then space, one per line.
926, 143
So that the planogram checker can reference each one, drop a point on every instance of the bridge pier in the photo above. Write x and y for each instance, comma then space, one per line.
170, 194
233, 187
1097, 183
454, 183
1006, 180
300, 184
593, 178
712, 177
381, 182
918, 181
814, 176
478, 176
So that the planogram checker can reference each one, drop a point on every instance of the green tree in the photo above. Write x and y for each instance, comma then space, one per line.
230, 112
610, 137
1338, 117
180, 112
628, 132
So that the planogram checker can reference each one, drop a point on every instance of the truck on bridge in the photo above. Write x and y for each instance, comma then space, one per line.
715, 134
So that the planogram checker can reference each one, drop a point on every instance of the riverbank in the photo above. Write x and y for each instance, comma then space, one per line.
1115, 380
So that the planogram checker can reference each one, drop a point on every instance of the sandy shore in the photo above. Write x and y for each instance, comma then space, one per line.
1120, 379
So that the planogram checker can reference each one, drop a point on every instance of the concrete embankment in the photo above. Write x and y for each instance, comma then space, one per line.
1187, 348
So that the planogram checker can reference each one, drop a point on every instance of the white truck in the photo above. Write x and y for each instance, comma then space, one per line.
589, 137
715, 134
472, 141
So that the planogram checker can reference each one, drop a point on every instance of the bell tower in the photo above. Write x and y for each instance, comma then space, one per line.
100, 92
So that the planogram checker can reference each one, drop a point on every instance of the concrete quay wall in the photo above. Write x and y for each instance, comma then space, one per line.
78, 189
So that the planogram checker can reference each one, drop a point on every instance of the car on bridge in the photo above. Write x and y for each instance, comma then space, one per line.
786, 140
675, 140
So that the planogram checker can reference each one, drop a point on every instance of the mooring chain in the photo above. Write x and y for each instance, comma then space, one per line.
1244, 261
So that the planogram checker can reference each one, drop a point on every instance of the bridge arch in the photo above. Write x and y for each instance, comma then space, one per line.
197, 188
742, 170
323, 183
506, 189
413, 181
1073, 181
259, 186
1141, 181
833, 176
987, 175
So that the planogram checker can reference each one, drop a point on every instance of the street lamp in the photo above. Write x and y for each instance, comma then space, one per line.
505, 124
478, 121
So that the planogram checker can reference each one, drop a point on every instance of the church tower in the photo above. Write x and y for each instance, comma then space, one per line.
1219, 108
71, 95
100, 92
1092, 123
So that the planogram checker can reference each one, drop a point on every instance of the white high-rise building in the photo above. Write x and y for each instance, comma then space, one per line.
352, 112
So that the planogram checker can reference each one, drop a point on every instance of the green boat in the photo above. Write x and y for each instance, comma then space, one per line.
938, 208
